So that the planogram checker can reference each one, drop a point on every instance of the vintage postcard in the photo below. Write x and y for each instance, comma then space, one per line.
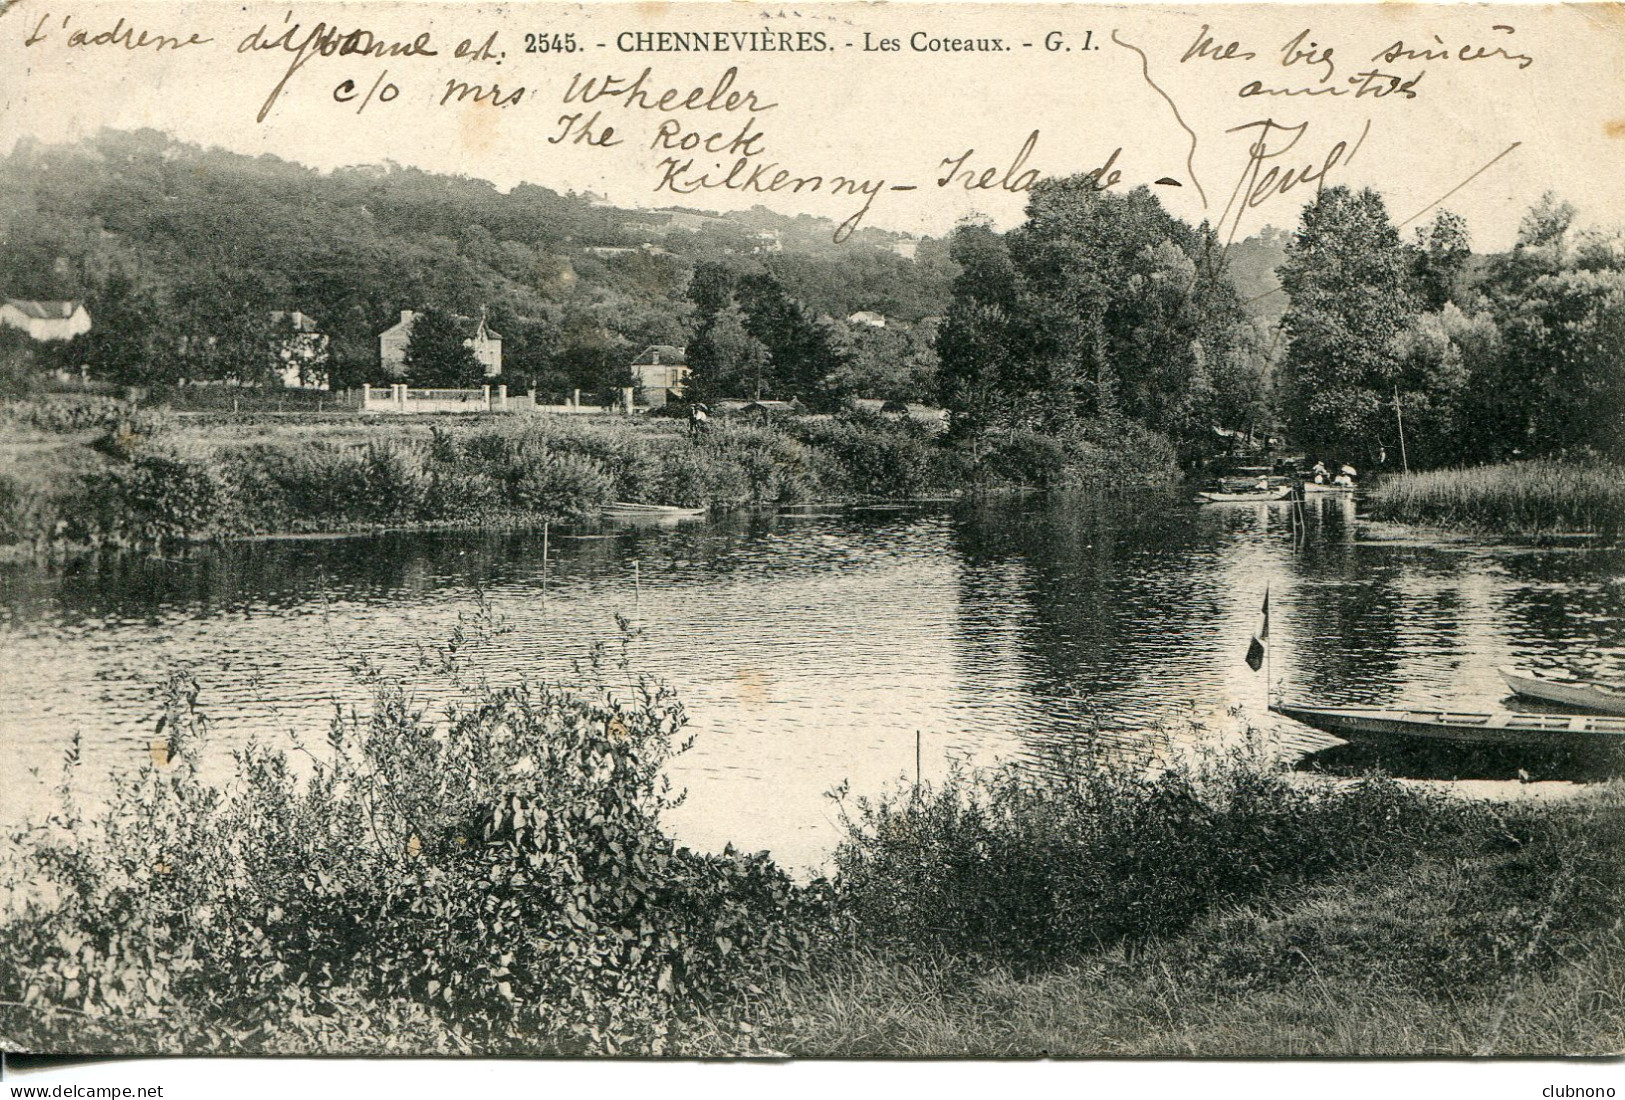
817, 530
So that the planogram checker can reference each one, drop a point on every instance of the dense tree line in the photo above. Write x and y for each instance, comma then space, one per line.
1423, 352
183, 253
1103, 307
1099, 306
754, 338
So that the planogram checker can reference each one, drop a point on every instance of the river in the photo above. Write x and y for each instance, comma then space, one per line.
811, 648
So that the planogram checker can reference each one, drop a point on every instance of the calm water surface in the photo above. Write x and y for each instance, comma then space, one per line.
810, 649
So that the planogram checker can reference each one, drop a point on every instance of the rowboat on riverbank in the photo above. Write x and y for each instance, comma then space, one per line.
623, 510
1256, 497
1506, 729
1585, 694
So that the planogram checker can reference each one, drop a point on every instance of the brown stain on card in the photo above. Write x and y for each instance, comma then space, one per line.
751, 685
478, 126
1609, 17
1614, 127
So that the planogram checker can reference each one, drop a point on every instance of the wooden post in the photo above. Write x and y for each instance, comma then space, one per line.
1399, 417
637, 584
544, 559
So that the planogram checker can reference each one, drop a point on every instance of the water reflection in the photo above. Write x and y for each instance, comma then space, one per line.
811, 649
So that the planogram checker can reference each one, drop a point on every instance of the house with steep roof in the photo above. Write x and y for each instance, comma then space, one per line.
485, 343
48, 320
660, 371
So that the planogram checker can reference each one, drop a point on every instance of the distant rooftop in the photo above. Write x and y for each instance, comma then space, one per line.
45, 311
662, 355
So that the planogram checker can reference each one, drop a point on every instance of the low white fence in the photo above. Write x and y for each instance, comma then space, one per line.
404, 399
569, 410
496, 399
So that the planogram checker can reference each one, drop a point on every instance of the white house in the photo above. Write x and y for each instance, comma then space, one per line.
46, 320
486, 345
867, 317
660, 371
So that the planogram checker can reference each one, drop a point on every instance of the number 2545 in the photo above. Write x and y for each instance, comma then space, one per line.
550, 43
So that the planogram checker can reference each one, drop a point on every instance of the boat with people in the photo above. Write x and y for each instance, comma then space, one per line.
1585, 694
1255, 496
1484, 728
1319, 479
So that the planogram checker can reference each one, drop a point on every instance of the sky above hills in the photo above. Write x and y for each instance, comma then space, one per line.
832, 121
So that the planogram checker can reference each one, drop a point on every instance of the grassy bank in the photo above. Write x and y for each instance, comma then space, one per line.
1537, 497
496, 878
105, 475
1467, 930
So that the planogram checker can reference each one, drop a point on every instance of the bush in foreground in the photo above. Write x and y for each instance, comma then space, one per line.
495, 878
1500, 939
494, 881
1034, 866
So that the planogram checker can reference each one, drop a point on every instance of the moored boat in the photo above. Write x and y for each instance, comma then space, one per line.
1502, 728
1586, 694
623, 510
1318, 487
1255, 497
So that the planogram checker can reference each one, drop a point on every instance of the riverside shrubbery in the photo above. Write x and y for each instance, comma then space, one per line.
1109, 452
152, 481
80, 414
153, 490
878, 456
494, 879
1031, 867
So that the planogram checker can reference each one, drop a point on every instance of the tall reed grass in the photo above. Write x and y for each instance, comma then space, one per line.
1536, 497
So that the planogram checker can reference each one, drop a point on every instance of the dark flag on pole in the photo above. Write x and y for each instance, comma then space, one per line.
1255, 655
1255, 651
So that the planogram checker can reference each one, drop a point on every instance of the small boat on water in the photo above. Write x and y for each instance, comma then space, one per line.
1254, 497
1460, 727
1319, 487
1586, 694
623, 510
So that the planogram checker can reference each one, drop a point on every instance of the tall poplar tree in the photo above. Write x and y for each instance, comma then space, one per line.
1348, 277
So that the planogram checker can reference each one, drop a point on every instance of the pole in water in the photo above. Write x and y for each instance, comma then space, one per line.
1268, 645
637, 583
1266, 676
544, 559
